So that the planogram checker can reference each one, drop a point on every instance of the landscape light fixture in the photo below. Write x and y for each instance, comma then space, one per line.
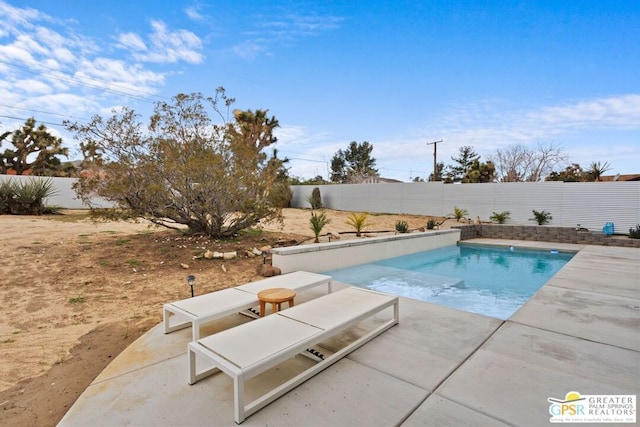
264, 257
191, 280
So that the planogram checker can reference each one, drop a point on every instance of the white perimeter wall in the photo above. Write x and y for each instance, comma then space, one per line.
590, 204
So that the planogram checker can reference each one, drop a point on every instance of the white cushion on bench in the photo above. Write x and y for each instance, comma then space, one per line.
252, 348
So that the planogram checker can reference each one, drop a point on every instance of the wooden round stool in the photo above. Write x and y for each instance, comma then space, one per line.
275, 296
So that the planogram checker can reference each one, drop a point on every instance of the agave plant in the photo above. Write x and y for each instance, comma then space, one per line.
358, 221
402, 226
318, 221
431, 223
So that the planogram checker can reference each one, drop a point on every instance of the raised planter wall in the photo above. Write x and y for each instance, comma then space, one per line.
544, 233
320, 257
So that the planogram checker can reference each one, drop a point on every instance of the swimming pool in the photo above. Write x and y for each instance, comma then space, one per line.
492, 281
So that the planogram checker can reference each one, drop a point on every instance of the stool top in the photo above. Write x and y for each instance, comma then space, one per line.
276, 295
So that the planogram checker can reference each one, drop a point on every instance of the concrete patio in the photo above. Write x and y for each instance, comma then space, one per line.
439, 366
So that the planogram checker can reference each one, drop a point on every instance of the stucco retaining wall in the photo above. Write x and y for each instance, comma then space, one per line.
320, 257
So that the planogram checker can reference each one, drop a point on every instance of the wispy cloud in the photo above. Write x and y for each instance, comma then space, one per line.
268, 31
496, 124
131, 41
194, 13
164, 46
51, 71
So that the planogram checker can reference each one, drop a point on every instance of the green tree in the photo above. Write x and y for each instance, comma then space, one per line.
183, 168
34, 151
463, 163
353, 165
572, 173
280, 194
440, 166
480, 172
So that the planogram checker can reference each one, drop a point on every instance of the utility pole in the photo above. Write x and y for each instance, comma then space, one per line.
435, 162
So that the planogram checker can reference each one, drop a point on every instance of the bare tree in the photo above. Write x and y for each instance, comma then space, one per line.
518, 163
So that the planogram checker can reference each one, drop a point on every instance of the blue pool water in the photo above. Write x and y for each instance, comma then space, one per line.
485, 280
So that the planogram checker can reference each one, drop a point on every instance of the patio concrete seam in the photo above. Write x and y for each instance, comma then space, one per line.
463, 361
589, 291
486, 414
140, 368
572, 336
412, 411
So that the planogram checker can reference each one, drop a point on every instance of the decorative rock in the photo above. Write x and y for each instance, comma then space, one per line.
229, 255
224, 268
218, 255
266, 248
250, 254
208, 255
266, 270
185, 266
334, 235
256, 252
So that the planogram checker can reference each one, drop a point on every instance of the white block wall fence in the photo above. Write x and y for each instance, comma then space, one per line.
590, 204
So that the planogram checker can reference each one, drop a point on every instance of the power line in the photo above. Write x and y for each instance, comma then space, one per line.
101, 83
23, 119
44, 112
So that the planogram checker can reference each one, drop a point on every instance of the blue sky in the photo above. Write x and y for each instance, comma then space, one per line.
398, 74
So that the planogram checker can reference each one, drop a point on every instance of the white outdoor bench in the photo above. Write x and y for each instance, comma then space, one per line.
205, 308
247, 350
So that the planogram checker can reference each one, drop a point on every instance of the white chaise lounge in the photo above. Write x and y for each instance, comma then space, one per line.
202, 309
247, 350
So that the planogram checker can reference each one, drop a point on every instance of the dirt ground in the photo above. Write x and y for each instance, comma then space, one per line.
75, 293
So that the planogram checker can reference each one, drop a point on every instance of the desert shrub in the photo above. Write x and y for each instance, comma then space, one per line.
402, 226
281, 195
26, 197
431, 223
541, 218
7, 192
458, 213
318, 221
358, 221
634, 233
500, 217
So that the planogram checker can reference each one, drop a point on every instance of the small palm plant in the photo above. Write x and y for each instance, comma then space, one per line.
318, 221
500, 217
458, 214
358, 221
541, 218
